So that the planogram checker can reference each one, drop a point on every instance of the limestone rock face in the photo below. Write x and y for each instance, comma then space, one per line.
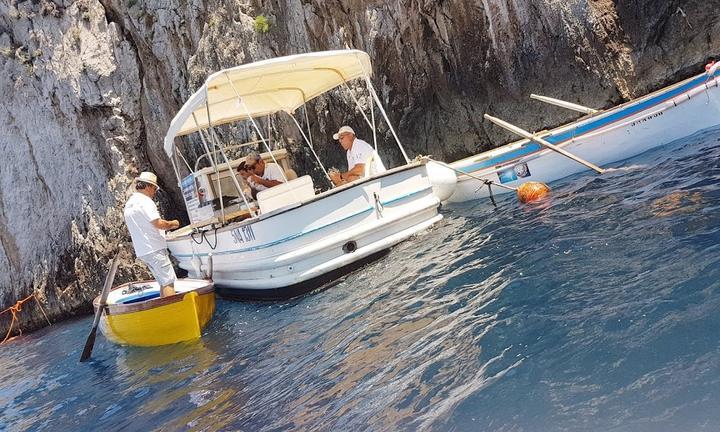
89, 88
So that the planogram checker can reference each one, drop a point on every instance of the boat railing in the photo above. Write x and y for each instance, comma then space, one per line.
215, 152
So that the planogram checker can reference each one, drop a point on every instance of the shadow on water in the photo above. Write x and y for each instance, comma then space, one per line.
596, 310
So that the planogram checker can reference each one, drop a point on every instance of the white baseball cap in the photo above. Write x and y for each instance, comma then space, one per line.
343, 130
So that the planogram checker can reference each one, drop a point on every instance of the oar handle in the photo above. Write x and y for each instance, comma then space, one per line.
109, 278
564, 104
525, 134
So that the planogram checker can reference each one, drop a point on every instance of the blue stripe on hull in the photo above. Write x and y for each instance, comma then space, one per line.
304, 233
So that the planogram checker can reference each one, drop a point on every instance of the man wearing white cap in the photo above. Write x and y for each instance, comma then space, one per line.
360, 155
147, 230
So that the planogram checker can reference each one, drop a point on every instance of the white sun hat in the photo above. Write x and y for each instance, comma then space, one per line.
148, 177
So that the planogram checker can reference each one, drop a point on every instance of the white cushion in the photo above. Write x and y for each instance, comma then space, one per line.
285, 194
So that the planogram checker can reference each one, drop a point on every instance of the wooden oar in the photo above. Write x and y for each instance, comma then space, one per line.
109, 278
525, 134
564, 104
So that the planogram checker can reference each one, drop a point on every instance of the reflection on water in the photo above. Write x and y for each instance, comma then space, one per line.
595, 310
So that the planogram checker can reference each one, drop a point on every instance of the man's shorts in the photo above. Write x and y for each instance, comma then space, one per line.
160, 266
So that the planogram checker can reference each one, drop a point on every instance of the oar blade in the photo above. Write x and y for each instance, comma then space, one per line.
109, 278
89, 344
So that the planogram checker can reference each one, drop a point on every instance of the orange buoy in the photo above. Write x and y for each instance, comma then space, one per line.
532, 191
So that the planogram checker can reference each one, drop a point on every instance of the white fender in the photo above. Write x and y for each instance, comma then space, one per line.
443, 180
712, 68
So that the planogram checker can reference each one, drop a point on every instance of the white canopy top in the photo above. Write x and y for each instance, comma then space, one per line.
266, 87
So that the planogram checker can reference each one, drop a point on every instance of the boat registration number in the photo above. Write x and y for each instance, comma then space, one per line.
643, 120
243, 234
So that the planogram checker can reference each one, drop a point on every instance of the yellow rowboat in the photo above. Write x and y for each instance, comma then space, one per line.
135, 314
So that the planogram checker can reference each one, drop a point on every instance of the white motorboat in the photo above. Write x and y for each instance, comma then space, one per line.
601, 137
292, 238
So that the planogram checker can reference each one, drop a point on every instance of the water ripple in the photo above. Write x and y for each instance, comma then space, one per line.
595, 310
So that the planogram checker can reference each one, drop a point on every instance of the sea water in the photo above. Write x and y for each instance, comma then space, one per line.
596, 310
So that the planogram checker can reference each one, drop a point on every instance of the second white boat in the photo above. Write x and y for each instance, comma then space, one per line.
601, 138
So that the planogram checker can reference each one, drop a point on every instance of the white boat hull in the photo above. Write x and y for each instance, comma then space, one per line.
610, 136
262, 257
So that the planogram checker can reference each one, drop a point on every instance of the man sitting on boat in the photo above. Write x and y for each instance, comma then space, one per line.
359, 154
261, 175
147, 230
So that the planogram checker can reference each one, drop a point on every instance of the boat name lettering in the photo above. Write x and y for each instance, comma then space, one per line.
243, 234
643, 120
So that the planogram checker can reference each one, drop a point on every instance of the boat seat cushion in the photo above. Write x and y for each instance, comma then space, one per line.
285, 194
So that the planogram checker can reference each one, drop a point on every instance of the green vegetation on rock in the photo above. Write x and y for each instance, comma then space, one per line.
262, 25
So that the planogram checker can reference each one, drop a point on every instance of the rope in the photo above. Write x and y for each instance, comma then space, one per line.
484, 181
212, 247
490, 193
379, 207
192, 236
203, 238
17, 307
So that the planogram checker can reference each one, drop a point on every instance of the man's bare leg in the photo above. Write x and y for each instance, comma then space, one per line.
167, 290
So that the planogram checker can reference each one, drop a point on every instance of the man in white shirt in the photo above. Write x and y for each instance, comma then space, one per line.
147, 230
360, 155
262, 175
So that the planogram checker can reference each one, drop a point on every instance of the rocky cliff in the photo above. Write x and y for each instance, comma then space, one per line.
89, 87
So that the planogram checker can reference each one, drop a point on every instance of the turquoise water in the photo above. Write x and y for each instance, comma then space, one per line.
597, 310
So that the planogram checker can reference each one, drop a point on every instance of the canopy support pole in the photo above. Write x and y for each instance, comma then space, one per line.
357, 103
372, 106
232, 174
307, 123
255, 125
311, 147
372, 116
177, 175
382, 111
183, 158
212, 160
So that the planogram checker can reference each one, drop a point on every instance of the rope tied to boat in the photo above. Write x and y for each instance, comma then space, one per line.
203, 238
17, 307
212, 247
192, 236
379, 207
485, 182
488, 183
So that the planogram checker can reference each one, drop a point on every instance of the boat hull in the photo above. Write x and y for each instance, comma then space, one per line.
268, 256
158, 321
614, 135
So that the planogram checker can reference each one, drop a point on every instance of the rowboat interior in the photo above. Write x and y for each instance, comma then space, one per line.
136, 292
